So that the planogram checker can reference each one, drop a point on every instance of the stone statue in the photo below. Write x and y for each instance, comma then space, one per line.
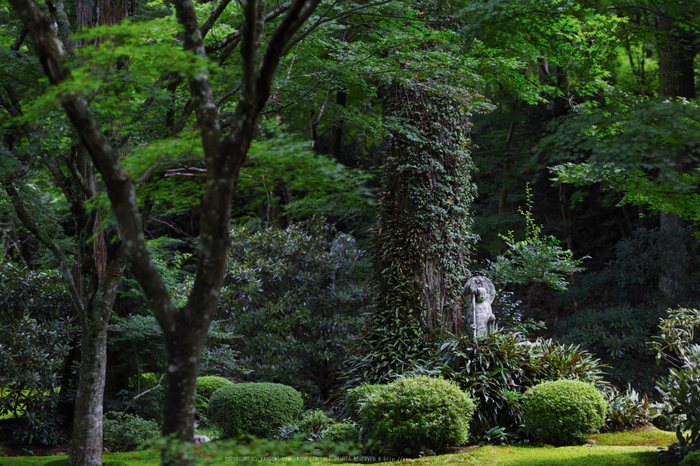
482, 294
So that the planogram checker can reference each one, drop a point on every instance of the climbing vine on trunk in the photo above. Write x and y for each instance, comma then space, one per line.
423, 237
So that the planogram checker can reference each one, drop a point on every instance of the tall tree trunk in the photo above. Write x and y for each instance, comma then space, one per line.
422, 233
86, 441
101, 274
184, 354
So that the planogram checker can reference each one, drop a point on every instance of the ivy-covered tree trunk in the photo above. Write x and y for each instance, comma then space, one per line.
423, 236
422, 240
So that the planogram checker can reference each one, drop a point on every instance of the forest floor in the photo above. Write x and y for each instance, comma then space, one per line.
639, 447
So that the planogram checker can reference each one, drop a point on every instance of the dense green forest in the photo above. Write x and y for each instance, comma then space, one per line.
296, 192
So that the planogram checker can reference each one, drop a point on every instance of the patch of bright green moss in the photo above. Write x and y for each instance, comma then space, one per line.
523, 455
134, 458
642, 436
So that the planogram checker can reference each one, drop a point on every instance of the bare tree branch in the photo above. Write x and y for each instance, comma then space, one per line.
144, 393
174, 227
144, 176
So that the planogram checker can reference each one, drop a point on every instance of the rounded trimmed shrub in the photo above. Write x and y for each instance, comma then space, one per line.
355, 398
258, 408
416, 415
206, 386
560, 411
342, 432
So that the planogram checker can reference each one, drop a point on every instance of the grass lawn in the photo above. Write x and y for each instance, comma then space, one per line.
634, 448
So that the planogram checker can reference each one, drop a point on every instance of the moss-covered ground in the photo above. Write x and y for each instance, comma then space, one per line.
639, 447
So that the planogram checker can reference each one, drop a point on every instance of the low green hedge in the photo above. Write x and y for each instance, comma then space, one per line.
253, 408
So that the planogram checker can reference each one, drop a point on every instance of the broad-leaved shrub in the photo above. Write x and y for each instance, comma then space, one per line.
629, 409
497, 370
294, 299
35, 339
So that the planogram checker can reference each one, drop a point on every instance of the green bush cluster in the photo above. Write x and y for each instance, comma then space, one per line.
355, 398
558, 412
314, 423
206, 386
126, 432
253, 408
519, 364
691, 459
342, 432
415, 415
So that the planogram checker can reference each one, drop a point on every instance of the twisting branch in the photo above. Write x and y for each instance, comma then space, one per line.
250, 44
200, 90
227, 96
323, 20
236, 35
